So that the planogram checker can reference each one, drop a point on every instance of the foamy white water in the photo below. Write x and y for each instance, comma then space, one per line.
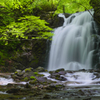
76, 78
72, 44
80, 78
5, 81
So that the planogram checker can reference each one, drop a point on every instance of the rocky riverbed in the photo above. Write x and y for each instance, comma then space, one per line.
40, 84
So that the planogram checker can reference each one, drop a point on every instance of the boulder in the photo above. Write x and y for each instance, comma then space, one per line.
58, 74
19, 73
40, 69
13, 90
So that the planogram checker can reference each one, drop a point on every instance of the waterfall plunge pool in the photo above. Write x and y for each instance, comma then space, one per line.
77, 78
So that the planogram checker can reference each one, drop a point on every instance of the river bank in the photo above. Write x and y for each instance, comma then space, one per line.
56, 86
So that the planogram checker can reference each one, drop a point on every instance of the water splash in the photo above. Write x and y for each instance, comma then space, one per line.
5, 81
76, 78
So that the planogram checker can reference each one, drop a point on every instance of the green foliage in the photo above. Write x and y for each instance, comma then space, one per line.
24, 26
46, 5
33, 78
25, 22
35, 73
71, 6
16, 72
33, 82
19, 20
26, 79
21, 5
28, 69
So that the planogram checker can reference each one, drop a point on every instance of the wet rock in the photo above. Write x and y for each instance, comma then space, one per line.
58, 70
13, 90
41, 79
97, 75
55, 87
22, 75
68, 71
81, 92
46, 96
28, 70
69, 82
57, 22
95, 61
27, 85
51, 72
16, 77
82, 70
38, 74
62, 72
97, 66
54, 74
19, 73
18, 65
28, 74
54, 21
67, 15
87, 99
39, 51
34, 82
31, 54
5, 75
58, 74
40, 69
16, 86
62, 78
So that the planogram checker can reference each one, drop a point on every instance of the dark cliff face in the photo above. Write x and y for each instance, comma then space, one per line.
96, 54
96, 5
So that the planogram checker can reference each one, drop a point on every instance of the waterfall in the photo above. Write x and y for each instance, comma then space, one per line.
72, 44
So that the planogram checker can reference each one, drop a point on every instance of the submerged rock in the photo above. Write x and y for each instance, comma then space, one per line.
58, 74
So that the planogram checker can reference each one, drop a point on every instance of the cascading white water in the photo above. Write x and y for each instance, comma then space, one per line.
72, 44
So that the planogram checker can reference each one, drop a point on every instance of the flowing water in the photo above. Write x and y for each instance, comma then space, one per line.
72, 48
72, 44
77, 78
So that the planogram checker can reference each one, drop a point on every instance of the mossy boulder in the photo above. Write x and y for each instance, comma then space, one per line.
27, 74
28, 70
40, 69
19, 73
58, 74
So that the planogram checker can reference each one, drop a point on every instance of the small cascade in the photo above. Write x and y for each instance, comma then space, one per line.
76, 78
72, 44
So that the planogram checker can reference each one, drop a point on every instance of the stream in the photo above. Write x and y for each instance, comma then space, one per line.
72, 49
